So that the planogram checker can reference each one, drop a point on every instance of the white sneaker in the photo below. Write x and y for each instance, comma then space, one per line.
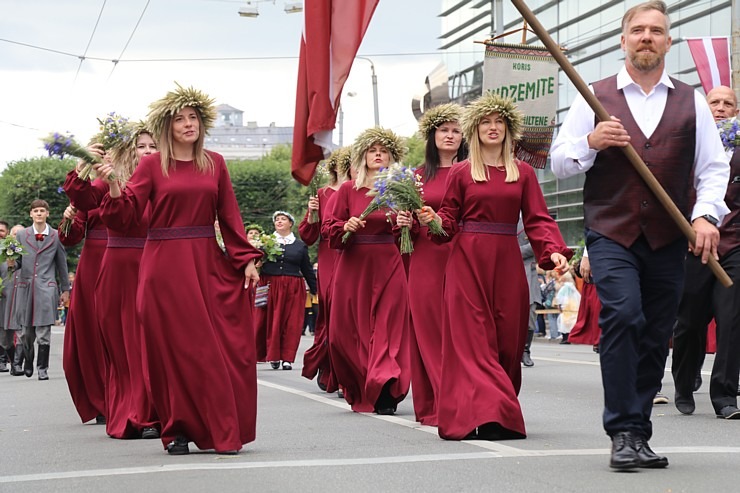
660, 399
287, 365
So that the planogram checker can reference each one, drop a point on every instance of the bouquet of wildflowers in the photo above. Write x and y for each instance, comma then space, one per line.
115, 131
729, 132
66, 225
269, 246
10, 249
313, 188
399, 188
62, 145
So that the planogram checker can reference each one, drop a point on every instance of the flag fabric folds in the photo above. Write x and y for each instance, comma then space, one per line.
712, 59
332, 33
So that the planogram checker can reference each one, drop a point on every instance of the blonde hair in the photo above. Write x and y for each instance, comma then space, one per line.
479, 170
203, 161
658, 5
393, 144
127, 161
489, 104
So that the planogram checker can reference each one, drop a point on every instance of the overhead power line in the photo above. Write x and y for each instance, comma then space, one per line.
115, 62
89, 42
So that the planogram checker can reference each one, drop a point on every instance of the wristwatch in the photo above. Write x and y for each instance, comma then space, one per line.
711, 219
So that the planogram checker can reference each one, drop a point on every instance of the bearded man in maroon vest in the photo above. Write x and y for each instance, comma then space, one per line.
636, 251
704, 297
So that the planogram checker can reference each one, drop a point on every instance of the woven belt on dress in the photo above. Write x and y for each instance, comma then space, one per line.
374, 239
96, 234
489, 228
182, 232
126, 242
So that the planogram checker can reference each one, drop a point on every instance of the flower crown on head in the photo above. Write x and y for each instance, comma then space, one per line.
174, 102
436, 116
377, 135
137, 128
254, 226
283, 213
340, 161
489, 103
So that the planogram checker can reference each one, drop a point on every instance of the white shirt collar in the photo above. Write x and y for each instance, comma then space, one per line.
45, 232
284, 240
624, 79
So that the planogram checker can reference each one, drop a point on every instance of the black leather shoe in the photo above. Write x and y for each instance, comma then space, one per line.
99, 419
647, 459
527, 360
685, 403
385, 411
729, 412
697, 382
274, 365
149, 433
624, 454
179, 446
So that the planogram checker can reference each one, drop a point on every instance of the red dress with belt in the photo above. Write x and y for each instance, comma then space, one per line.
369, 319
487, 297
426, 300
192, 303
316, 358
82, 358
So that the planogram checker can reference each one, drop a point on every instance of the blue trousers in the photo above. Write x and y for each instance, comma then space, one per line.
639, 289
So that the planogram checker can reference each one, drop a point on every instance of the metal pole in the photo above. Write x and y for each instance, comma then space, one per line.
375, 89
499, 17
341, 126
652, 183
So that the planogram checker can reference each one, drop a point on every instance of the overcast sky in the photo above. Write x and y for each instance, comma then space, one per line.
42, 91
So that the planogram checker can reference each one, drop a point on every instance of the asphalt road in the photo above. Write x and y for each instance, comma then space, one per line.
310, 441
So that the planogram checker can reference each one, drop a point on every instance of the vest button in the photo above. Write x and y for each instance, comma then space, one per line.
644, 203
648, 146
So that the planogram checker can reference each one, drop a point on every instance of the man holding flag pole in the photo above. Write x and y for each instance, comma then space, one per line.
636, 250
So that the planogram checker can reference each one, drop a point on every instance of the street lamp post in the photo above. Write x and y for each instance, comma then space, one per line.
375, 89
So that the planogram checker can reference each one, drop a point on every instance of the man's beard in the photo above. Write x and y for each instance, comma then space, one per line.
645, 62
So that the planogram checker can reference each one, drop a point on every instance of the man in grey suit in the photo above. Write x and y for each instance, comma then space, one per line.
535, 295
37, 294
7, 349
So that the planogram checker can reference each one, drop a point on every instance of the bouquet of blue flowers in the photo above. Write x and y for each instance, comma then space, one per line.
729, 132
62, 145
399, 188
115, 131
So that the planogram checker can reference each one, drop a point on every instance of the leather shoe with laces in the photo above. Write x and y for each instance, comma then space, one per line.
179, 446
729, 412
624, 454
647, 459
685, 403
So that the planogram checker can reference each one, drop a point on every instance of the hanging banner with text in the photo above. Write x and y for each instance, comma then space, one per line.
529, 76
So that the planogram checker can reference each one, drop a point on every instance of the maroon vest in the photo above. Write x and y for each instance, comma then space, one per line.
729, 232
616, 201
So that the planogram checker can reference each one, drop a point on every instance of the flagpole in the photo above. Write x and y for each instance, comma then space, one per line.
629, 151
735, 47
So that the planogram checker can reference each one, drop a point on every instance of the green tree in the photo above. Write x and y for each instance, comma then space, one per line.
36, 178
416, 146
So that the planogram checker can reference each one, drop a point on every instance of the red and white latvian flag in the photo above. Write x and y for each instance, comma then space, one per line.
712, 59
332, 34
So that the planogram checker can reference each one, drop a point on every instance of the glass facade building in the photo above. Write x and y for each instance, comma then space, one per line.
590, 31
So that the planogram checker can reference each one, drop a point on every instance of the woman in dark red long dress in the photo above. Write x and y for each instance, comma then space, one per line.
316, 359
281, 320
82, 359
369, 320
486, 293
191, 297
129, 411
587, 330
444, 146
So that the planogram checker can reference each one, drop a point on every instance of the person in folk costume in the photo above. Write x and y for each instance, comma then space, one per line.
129, 411
440, 129
37, 292
587, 330
567, 300
82, 358
369, 319
632, 241
316, 361
533, 284
191, 297
280, 322
703, 298
7, 343
10, 324
486, 292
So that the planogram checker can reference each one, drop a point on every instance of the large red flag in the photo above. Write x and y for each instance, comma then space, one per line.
712, 59
332, 35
